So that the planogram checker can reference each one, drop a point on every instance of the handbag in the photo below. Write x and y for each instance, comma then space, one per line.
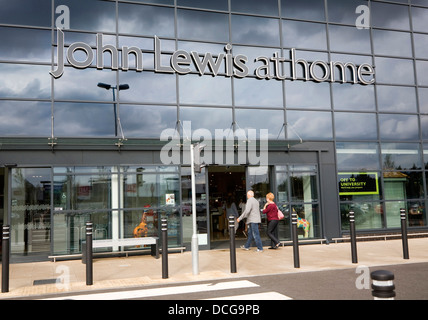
280, 215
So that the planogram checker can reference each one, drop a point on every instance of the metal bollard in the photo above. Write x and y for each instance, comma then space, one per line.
295, 239
232, 222
404, 233
89, 260
5, 259
164, 228
383, 285
353, 237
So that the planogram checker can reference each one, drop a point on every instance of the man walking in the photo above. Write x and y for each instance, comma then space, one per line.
252, 213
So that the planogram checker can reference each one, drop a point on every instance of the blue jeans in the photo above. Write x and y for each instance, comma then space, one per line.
253, 234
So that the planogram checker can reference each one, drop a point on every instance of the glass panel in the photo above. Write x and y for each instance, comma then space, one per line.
147, 121
344, 11
422, 72
307, 95
255, 93
419, 19
362, 156
421, 45
170, 2
201, 203
304, 35
349, 39
385, 15
139, 20
31, 215
199, 25
219, 118
205, 90
392, 43
355, 125
424, 126
25, 44
265, 7
25, 81
214, 5
320, 128
396, 99
394, 71
148, 87
347, 96
84, 119
94, 15
270, 120
26, 12
308, 220
400, 185
259, 182
254, 30
404, 126
368, 215
423, 100
304, 187
36, 123
306, 10
416, 213
401, 156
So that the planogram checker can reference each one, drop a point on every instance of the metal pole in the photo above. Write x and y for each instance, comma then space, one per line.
89, 262
353, 236
164, 228
195, 245
295, 239
232, 244
404, 233
383, 285
5, 260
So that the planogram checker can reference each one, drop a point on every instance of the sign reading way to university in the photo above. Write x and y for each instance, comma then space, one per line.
225, 63
358, 183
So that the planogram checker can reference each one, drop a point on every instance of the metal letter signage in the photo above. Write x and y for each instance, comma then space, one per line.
225, 63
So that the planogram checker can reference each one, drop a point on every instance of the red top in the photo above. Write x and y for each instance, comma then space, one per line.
271, 212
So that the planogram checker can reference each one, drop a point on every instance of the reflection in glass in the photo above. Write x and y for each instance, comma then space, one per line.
26, 12
348, 96
309, 125
392, 126
424, 126
258, 93
400, 69
355, 126
205, 90
421, 45
422, 72
306, 10
25, 81
396, 99
343, 11
265, 7
199, 25
83, 120
304, 35
213, 5
25, 118
270, 120
307, 95
304, 187
401, 156
423, 100
148, 87
392, 43
146, 121
386, 15
349, 39
20, 44
146, 20
255, 30
368, 214
220, 118
419, 19
357, 155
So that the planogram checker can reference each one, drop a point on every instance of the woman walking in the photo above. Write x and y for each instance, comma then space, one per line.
271, 211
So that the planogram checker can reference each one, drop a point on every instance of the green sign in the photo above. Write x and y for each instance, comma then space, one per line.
358, 183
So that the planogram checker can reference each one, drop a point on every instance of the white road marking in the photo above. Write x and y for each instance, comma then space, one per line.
134, 294
256, 296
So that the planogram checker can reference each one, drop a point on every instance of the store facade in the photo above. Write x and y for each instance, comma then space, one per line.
322, 102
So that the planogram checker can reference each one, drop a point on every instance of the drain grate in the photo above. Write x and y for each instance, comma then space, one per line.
44, 281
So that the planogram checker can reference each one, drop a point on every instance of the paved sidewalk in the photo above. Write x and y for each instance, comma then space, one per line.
126, 272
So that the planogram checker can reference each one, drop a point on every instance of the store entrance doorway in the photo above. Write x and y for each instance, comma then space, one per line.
227, 188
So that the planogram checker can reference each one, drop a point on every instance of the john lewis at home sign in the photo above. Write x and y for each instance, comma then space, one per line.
225, 63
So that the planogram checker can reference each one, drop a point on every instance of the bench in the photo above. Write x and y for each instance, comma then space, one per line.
127, 242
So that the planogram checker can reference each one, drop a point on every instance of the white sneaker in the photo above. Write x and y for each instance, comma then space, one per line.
258, 250
243, 247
